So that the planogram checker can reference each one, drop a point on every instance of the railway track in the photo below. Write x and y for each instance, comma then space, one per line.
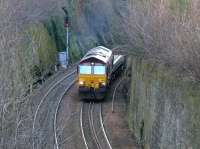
56, 113
44, 133
114, 93
92, 127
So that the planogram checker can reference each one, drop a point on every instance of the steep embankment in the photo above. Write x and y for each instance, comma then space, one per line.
164, 108
31, 33
164, 104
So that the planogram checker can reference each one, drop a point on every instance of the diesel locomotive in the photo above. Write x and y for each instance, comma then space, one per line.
96, 71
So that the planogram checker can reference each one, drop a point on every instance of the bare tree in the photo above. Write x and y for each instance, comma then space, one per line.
167, 31
18, 54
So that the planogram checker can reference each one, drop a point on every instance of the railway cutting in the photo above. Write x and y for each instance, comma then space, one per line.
65, 119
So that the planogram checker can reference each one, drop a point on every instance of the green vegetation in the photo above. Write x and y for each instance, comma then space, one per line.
29, 41
55, 28
75, 52
180, 5
39, 41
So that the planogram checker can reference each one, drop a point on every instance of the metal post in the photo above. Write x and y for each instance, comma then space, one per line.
67, 34
67, 46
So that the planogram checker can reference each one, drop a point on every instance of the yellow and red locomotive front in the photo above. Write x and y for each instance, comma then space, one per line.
94, 72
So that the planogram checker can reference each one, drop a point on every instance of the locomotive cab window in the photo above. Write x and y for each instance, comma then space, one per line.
84, 69
99, 70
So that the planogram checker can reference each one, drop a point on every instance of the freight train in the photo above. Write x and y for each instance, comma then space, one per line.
96, 71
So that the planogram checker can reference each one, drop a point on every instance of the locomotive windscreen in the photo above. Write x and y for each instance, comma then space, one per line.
94, 69
83, 69
99, 70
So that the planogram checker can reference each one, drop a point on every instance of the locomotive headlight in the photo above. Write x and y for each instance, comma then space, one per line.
103, 83
81, 82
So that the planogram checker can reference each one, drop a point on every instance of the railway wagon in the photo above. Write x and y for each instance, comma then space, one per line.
118, 65
95, 71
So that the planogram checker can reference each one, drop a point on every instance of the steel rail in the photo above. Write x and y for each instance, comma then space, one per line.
114, 93
94, 133
103, 129
56, 112
42, 101
82, 130
92, 126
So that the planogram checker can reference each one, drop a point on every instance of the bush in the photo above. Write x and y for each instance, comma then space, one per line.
44, 47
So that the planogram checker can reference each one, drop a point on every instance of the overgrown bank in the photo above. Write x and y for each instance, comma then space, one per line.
164, 108
29, 41
30, 37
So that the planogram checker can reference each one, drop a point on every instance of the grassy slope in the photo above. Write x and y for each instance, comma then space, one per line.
164, 108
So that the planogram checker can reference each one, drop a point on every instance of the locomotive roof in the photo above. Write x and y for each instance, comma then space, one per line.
101, 53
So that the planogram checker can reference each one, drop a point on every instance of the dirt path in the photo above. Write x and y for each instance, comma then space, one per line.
116, 123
